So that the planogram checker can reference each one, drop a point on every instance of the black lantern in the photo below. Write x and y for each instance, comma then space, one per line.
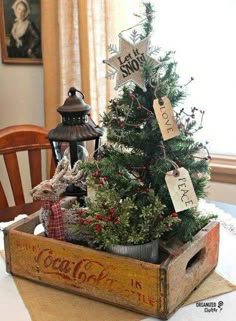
76, 128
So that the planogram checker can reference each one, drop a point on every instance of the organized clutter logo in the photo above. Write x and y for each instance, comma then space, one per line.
211, 307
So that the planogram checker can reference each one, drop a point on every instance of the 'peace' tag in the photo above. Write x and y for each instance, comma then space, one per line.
181, 189
166, 119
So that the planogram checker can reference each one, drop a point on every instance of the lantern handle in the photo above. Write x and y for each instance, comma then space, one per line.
72, 92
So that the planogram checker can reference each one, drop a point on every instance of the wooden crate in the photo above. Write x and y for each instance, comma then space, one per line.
153, 289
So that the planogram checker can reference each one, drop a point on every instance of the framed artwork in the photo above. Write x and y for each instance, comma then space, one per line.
20, 31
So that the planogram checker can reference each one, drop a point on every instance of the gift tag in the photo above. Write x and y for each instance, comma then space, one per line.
166, 119
181, 189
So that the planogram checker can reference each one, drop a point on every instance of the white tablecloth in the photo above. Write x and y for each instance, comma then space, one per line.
12, 307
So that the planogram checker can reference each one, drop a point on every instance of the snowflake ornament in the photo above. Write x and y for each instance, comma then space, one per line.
128, 62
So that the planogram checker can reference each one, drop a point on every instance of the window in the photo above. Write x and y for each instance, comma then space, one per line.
202, 35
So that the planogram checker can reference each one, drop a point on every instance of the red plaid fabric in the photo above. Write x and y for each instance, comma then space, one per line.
56, 225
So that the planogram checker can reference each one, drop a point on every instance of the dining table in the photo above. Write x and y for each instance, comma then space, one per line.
13, 308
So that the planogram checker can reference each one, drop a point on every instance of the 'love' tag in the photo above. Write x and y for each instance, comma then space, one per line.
181, 189
166, 119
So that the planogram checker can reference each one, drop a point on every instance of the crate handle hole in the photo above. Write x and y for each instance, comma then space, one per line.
195, 259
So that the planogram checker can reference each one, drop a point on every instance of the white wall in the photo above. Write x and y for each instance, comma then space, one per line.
21, 102
21, 94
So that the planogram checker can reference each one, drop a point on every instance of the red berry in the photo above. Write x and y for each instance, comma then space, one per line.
112, 210
108, 218
117, 221
88, 220
98, 217
174, 214
98, 228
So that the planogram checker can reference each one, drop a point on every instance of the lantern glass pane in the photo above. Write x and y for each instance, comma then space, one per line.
60, 149
82, 152
57, 150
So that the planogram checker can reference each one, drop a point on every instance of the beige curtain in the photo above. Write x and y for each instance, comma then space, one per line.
75, 35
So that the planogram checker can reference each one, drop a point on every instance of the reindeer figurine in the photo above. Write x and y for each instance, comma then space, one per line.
53, 216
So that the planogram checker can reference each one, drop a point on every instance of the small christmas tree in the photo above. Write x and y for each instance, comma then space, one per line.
133, 177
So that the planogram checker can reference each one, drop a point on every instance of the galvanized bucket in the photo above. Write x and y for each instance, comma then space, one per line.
144, 252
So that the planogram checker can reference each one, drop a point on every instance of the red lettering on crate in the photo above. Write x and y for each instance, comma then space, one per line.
84, 271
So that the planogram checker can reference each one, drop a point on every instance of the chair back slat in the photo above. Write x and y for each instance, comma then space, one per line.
21, 138
52, 166
13, 171
3, 199
35, 165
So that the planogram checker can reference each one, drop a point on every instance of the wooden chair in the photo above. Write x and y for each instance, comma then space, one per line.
13, 139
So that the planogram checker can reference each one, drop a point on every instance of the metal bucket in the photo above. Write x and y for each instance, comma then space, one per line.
144, 252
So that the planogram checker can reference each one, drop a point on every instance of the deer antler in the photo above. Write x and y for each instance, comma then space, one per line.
76, 176
62, 168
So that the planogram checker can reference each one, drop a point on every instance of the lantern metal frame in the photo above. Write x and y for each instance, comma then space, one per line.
74, 131
76, 128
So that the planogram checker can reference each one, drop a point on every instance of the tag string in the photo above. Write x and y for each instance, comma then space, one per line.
136, 25
176, 167
154, 83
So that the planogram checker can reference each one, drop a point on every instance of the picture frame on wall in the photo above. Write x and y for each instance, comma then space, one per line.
20, 31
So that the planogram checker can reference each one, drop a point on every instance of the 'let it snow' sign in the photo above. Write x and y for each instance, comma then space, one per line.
128, 62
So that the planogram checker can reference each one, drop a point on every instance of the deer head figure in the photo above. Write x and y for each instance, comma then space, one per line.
50, 191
